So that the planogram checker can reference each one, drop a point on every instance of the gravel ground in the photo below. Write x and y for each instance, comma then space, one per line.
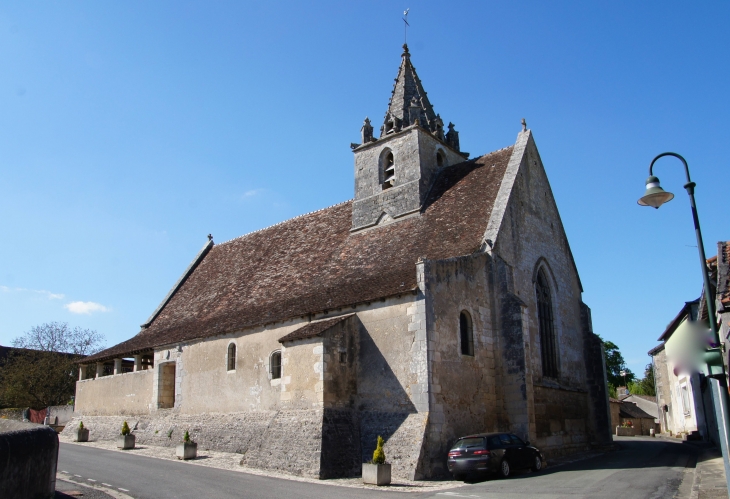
230, 461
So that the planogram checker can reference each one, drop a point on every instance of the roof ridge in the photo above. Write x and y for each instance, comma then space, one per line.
282, 222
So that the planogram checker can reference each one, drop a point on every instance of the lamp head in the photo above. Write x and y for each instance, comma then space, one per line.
654, 196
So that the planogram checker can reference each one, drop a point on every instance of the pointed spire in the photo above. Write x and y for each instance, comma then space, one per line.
366, 132
408, 94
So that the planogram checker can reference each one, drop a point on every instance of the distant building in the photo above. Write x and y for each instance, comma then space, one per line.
684, 401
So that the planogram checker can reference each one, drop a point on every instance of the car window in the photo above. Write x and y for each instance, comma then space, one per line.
516, 440
463, 443
505, 440
495, 443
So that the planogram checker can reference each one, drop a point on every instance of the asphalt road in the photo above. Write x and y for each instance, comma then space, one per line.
643, 468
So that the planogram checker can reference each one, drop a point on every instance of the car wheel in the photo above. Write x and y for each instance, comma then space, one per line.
537, 465
504, 469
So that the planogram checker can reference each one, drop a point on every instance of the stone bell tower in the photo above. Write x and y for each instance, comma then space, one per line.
393, 173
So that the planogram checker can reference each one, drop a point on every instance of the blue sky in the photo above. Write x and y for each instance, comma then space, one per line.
131, 130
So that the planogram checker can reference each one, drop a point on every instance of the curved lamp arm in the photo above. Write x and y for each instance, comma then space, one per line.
684, 162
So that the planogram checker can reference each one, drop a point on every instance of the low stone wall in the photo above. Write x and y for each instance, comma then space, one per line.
623, 431
125, 394
12, 414
28, 458
60, 414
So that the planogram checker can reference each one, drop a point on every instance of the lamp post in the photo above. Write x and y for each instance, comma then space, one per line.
655, 196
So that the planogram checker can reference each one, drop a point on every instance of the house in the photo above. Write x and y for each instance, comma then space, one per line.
442, 300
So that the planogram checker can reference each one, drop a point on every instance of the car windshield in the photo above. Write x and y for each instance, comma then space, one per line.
468, 442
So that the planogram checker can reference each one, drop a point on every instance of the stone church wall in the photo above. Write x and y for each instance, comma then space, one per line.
463, 387
532, 238
120, 394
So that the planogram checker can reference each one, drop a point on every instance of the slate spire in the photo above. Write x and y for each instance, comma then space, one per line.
408, 95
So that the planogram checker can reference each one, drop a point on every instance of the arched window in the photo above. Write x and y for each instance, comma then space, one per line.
440, 159
548, 343
388, 166
232, 357
466, 333
275, 365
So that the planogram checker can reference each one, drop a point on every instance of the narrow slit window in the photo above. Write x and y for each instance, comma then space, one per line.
548, 343
232, 357
388, 170
276, 365
466, 332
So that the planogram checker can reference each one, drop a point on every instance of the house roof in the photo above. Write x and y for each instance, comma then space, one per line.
313, 329
689, 309
313, 263
723, 275
631, 410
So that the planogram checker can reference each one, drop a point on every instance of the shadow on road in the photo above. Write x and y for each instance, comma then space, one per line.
632, 452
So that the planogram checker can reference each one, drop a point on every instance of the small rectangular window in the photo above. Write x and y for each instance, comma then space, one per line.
685, 399
343, 357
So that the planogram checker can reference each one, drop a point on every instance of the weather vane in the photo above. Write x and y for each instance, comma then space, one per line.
405, 26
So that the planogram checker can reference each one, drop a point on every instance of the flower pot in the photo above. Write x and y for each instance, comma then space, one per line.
125, 441
623, 431
376, 474
81, 435
186, 450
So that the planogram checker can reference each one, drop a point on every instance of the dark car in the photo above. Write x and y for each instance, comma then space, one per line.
492, 452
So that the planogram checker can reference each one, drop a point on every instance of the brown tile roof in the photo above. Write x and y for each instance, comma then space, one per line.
313, 329
313, 263
631, 410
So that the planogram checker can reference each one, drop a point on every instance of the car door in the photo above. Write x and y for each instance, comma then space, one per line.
509, 451
520, 450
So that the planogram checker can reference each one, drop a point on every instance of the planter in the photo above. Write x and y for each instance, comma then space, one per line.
186, 450
376, 474
81, 435
125, 441
622, 431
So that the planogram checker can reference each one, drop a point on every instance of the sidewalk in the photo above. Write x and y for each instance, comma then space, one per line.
709, 480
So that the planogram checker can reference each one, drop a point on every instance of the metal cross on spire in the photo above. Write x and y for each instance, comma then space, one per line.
405, 26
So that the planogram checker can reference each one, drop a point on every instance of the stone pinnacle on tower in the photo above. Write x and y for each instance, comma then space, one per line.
407, 94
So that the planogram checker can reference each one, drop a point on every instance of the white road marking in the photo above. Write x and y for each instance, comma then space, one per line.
107, 484
65, 472
123, 490
89, 479
78, 476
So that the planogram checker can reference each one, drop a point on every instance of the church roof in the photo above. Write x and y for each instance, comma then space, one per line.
313, 263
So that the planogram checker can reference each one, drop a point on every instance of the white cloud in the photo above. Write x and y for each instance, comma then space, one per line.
252, 193
47, 294
85, 307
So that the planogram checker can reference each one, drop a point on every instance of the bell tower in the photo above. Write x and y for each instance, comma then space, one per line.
393, 173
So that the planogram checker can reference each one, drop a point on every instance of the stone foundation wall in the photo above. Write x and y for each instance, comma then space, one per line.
404, 438
561, 420
319, 443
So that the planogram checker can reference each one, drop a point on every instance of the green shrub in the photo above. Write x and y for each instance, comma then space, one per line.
186, 437
125, 429
81, 425
379, 455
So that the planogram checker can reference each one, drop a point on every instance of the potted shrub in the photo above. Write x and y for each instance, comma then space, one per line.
187, 449
81, 434
126, 439
377, 472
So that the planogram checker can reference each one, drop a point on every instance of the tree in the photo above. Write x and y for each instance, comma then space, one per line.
42, 370
58, 337
615, 364
645, 386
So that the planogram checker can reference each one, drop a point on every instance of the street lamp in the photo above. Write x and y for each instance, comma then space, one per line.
655, 196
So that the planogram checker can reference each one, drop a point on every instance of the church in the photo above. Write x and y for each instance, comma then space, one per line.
442, 300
